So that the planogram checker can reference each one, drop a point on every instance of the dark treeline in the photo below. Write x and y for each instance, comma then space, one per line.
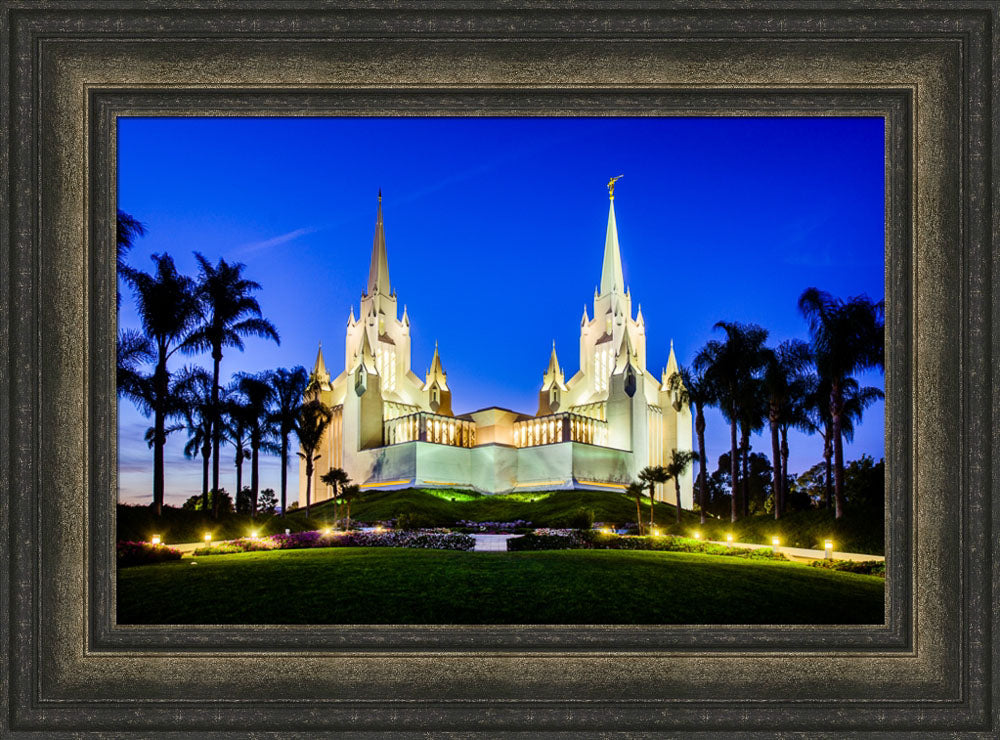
808, 386
207, 314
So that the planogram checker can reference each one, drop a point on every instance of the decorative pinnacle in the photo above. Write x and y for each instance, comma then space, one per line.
380, 195
611, 185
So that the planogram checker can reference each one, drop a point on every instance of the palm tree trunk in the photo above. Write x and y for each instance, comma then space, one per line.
699, 426
827, 458
638, 514
309, 476
336, 494
284, 470
158, 445
652, 501
776, 468
733, 470
160, 380
205, 453
216, 428
784, 468
254, 478
677, 488
745, 455
239, 470
347, 525
836, 408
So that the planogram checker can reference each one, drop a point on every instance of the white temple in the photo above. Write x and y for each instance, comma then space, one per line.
391, 429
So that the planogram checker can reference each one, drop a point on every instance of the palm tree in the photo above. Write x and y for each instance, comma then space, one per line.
256, 393
847, 337
236, 427
338, 480
650, 476
729, 366
194, 391
693, 388
680, 460
230, 313
128, 229
133, 349
167, 310
782, 366
314, 418
349, 493
816, 408
289, 385
637, 490
794, 415
753, 412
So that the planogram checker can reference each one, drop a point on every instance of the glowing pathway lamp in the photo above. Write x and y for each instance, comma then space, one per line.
155, 539
208, 537
697, 535
775, 542
729, 540
828, 549
253, 535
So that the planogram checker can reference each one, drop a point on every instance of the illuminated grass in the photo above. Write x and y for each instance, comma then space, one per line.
387, 586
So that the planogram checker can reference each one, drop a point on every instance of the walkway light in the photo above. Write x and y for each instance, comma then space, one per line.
208, 536
326, 531
775, 542
155, 539
697, 535
729, 540
828, 547
656, 533
253, 534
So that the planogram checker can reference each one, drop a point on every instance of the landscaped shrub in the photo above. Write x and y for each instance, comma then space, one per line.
426, 539
575, 540
865, 567
581, 519
144, 553
499, 527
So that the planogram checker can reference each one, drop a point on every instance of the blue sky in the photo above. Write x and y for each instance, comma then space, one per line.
495, 232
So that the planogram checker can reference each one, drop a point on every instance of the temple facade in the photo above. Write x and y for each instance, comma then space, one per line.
393, 429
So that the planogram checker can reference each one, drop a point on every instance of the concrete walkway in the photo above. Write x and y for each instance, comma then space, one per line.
800, 553
492, 542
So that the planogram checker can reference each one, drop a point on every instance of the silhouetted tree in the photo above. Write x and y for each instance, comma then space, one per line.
229, 313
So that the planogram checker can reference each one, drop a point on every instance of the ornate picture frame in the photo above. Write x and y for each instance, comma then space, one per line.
70, 69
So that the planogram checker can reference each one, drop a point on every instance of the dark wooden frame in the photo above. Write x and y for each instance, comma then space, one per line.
70, 68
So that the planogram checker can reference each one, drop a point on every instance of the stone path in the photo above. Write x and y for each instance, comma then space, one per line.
492, 542
799, 554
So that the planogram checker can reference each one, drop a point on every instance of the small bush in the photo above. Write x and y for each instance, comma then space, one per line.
865, 567
143, 553
413, 520
581, 519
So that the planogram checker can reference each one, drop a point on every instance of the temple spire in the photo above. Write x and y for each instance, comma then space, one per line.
378, 273
436, 372
611, 271
554, 374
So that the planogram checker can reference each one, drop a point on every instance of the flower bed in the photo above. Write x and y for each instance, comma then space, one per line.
588, 540
494, 527
432, 539
144, 553
865, 567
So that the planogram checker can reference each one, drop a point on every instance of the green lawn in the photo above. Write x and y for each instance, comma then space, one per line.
397, 586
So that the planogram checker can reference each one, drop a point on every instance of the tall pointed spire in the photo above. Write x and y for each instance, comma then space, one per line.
611, 271
436, 372
554, 374
378, 273
671, 361
319, 376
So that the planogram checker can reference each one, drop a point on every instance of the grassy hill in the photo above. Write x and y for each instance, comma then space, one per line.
858, 531
394, 586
